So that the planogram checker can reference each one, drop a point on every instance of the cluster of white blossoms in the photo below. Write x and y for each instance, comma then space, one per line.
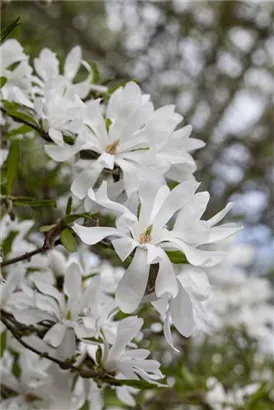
69, 322
241, 300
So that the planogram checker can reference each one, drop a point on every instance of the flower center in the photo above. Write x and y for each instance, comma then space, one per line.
146, 236
111, 148
29, 397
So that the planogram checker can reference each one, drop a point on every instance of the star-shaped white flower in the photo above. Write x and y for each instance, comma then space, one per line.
145, 229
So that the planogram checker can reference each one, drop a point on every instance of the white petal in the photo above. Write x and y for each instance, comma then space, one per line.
219, 233
56, 136
161, 304
220, 215
85, 180
133, 174
136, 120
166, 280
101, 197
31, 316
67, 347
147, 193
126, 331
198, 257
62, 153
132, 286
49, 290
182, 312
177, 198
195, 281
93, 118
73, 62
106, 160
124, 246
167, 332
18, 96
72, 283
55, 335
192, 211
93, 235
47, 65
159, 199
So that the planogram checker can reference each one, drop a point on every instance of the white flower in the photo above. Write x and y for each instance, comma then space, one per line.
15, 68
64, 309
219, 399
60, 112
47, 68
240, 299
8, 287
172, 148
134, 138
19, 229
118, 139
185, 309
131, 363
149, 235
31, 386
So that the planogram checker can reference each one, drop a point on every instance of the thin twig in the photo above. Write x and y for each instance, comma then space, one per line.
64, 365
25, 256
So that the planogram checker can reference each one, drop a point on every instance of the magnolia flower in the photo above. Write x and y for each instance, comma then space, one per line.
15, 68
18, 229
185, 309
172, 148
8, 287
63, 309
130, 363
118, 139
145, 230
47, 68
219, 399
134, 138
31, 387
239, 299
59, 111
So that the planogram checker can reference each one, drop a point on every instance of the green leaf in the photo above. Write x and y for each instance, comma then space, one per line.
47, 228
177, 257
96, 73
12, 164
138, 384
22, 116
23, 129
11, 105
7, 243
99, 355
7, 31
257, 396
16, 369
3, 81
68, 207
34, 202
68, 240
73, 217
3, 340
85, 406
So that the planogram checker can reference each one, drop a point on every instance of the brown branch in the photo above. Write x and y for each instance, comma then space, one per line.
63, 365
26, 256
